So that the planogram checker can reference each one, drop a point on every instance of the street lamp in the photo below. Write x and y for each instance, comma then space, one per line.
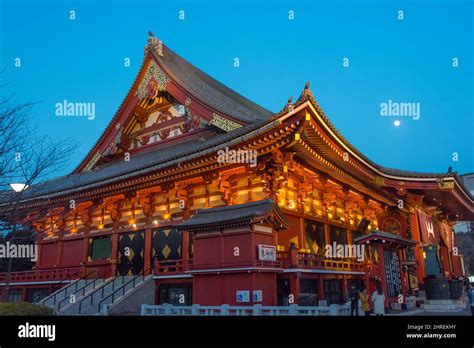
18, 187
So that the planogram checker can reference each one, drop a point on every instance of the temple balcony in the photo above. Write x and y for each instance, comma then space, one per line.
285, 260
171, 267
295, 259
53, 274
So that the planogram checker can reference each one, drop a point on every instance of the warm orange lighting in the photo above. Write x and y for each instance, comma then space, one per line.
166, 216
134, 225
100, 226
155, 222
73, 230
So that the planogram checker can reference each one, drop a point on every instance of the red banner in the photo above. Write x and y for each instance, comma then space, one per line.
429, 228
446, 232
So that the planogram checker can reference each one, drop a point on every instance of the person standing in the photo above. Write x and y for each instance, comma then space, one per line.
470, 297
354, 297
378, 299
364, 299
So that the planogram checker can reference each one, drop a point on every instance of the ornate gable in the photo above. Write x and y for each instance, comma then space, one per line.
157, 109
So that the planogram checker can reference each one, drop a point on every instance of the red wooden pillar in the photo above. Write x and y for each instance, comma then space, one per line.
85, 251
186, 238
367, 277
59, 255
418, 250
443, 250
320, 288
350, 240
345, 287
327, 234
383, 276
301, 239
295, 287
403, 278
185, 250
115, 247
147, 248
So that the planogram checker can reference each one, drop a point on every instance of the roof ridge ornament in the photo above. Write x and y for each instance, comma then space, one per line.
306, 94
154, 43
288, 106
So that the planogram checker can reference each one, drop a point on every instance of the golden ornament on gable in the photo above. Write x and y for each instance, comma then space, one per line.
154, 81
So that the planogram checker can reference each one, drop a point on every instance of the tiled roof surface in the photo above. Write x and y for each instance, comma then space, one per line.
138, 165
229, 214
210, 91
385, 235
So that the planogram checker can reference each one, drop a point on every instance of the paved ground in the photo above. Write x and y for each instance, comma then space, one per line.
418, 311
460, 313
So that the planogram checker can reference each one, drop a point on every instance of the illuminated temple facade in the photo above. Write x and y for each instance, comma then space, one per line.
156, 196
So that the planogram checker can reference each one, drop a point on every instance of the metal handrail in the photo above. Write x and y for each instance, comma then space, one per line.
86, 276
124, 286
91, 295
62, 289
83, 288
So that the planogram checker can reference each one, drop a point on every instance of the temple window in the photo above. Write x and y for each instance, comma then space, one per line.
100, 248
338, 235
315, 237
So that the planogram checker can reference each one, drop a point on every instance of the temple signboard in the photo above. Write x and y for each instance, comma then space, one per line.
266, 252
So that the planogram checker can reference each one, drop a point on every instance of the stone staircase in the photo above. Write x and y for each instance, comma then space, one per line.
95, 300
444, 305
74, 290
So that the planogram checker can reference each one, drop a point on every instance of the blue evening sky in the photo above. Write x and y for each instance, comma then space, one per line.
389, 59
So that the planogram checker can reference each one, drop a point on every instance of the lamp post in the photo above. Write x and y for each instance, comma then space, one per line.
18, 187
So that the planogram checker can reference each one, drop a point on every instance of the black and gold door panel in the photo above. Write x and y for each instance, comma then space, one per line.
166, 243
131, 251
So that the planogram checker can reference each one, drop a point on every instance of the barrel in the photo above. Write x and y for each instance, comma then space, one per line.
455, 288
436, 288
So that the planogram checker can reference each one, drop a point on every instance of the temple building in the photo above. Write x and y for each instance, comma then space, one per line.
220, 201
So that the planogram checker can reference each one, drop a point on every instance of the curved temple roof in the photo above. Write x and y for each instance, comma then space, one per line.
217, 97
238, 213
